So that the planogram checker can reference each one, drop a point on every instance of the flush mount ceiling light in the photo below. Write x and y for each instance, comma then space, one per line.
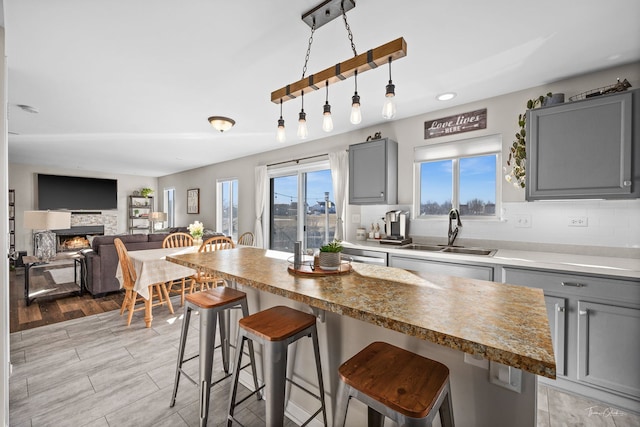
446, 96
317, 17
221, 124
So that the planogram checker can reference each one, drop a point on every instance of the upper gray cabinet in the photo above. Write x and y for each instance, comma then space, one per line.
584, 149
373, 172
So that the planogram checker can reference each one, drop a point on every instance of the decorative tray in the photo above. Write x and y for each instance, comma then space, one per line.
307, 268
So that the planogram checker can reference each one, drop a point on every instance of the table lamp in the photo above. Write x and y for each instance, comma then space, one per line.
44, 241
156, 217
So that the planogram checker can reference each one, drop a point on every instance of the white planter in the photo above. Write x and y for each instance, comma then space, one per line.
329, 260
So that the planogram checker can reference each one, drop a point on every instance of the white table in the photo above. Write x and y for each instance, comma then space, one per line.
152, 267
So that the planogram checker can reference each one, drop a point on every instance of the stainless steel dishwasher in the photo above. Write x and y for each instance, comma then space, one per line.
366, 256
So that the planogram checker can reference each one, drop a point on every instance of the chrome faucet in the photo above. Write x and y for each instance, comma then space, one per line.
454, 214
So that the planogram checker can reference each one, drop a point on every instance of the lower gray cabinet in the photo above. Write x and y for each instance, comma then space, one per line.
609, 347
469, 271
595, 327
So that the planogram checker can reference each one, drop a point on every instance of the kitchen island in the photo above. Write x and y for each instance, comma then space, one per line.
436, 316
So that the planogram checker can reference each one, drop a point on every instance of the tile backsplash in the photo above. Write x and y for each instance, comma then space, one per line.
609, 223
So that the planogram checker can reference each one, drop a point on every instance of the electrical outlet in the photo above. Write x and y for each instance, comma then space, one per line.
522, 220
578, 221
355, 218
474, 359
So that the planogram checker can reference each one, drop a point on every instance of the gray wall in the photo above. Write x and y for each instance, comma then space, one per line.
611, 222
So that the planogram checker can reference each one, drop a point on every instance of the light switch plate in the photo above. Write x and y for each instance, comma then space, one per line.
505, 376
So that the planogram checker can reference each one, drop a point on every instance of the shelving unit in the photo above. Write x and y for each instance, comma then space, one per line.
139, 209
12, 224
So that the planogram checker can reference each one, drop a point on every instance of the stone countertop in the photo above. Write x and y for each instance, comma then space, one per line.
503, 323
624, 268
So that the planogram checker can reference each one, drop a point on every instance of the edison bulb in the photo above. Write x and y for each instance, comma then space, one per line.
327, 122
303, 132
281, 135
389, 107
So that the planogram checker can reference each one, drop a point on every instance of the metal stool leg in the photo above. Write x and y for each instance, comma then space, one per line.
207, 343
342, 405
183, 341
316, 351
275, 379
224, 340
252, 356
236, 376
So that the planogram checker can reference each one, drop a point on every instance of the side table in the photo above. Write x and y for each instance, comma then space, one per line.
60, 260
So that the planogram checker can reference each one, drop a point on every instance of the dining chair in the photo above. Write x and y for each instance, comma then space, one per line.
178, 240
203, 278
129, 277
246, 239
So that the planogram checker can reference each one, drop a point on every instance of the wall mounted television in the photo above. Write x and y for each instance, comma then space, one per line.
76, 193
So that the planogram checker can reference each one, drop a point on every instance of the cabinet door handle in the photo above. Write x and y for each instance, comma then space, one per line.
560, 309
382, 194
584, 312
626, 183
572, 284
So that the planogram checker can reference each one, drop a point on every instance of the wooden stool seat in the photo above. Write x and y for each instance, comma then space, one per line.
215, 297
396, 383
277, 323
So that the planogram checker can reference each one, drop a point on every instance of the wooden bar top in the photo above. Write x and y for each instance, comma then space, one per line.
504, 323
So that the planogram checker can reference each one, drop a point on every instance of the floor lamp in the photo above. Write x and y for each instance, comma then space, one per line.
156, 217
42, 222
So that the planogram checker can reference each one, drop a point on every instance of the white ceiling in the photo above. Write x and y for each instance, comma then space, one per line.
126, 86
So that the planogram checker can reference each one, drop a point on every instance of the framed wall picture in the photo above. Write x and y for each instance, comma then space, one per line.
193, 201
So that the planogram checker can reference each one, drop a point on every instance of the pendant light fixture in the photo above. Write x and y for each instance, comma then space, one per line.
327, 121
323, 13
281, 136
356, 114
389, 106
303, 132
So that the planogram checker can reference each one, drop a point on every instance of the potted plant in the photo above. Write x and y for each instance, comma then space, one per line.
518, 153
146, 192
329, 257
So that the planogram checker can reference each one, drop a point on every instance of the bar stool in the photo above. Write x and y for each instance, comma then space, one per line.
276, 328
395, 383
211, 305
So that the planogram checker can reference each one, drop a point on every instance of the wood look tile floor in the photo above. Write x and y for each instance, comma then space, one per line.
94, 371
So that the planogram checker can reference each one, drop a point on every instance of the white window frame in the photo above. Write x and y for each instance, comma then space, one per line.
295, 169
219, 184
171, 216
455, 150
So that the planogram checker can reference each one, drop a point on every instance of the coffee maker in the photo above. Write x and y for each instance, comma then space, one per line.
396, 227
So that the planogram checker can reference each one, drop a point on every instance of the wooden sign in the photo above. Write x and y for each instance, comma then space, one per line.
464, 122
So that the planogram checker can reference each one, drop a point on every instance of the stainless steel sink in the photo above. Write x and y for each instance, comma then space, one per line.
418, 247
469, 251
449, 249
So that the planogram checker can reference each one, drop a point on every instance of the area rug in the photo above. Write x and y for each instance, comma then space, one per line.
63, 275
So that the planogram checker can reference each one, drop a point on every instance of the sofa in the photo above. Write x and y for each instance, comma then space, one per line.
102, 259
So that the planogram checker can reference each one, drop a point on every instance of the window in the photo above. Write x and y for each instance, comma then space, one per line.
314, 220
170, 206
227, 208
461, 175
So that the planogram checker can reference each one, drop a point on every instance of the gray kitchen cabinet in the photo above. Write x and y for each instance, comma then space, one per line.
470, 271
597, 349
373, 172
584, 149
609, 347
557, 313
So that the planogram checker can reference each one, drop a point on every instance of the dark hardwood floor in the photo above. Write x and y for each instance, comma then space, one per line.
51, 309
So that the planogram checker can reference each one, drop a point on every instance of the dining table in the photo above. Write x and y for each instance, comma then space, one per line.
446, 316
152, 267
